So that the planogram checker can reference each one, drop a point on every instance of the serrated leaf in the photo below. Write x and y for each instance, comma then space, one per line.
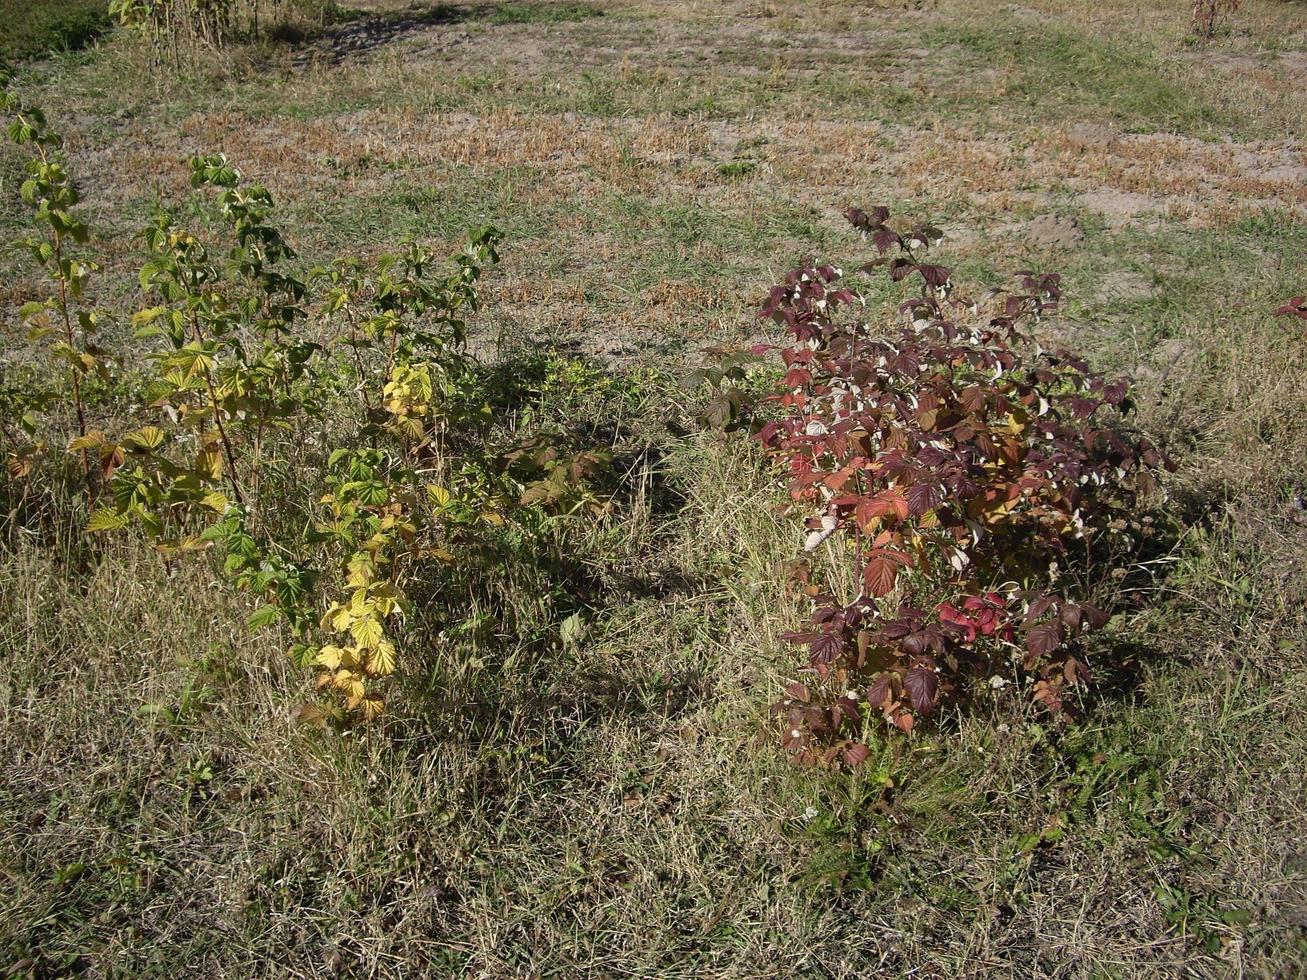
329, 657
367, 631
312, 715
572, 631
361, 569
381, 660
107, 519
149, 437
263, 616
881, 575
336, 619
855, 754
209, 464
922, 685
215, 501
91, 442
348, 683
1044, 639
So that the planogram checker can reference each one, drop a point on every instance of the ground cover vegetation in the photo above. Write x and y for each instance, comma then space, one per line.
34, 29
432, 545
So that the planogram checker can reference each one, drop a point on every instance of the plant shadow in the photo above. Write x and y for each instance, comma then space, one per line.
496, 656
359, 34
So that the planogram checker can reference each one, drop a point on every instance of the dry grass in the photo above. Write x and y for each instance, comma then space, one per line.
616, 806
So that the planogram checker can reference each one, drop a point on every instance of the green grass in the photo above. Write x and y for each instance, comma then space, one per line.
542, 13
1050, 74
29, 28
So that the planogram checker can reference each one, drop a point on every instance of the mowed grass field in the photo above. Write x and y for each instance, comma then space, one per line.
609, 799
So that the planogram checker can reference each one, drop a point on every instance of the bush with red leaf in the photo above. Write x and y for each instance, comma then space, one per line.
956, 463
1296, 307
1207, 13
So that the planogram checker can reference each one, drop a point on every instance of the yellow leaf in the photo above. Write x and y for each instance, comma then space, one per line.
367, 632
351, 657
92, 440
329, 657
311, 714
382, 660
106, 519
143, 317
336, 619
439, 495
362, 569
370, 706
215, 501
149, 437
208, 463
348, 683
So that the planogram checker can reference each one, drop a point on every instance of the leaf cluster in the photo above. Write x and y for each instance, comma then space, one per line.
955, 463
252, 365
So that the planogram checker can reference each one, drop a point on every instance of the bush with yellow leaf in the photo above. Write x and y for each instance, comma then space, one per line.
327, 434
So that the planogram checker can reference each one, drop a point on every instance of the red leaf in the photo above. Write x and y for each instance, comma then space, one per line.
922, 497
825, 647
879, 692
1075, 672
1094, 617
1038, 607
922, 685
973, 399
1295, 307
936, 275
884, 239
1044, 639
881, 574
855, 753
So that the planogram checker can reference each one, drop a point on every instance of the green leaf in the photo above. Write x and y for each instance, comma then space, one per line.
149, 437
215, 501
107, 519
263, 616
572, 631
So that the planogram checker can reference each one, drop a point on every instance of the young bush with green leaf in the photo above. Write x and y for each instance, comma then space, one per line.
61, 322
253, 366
